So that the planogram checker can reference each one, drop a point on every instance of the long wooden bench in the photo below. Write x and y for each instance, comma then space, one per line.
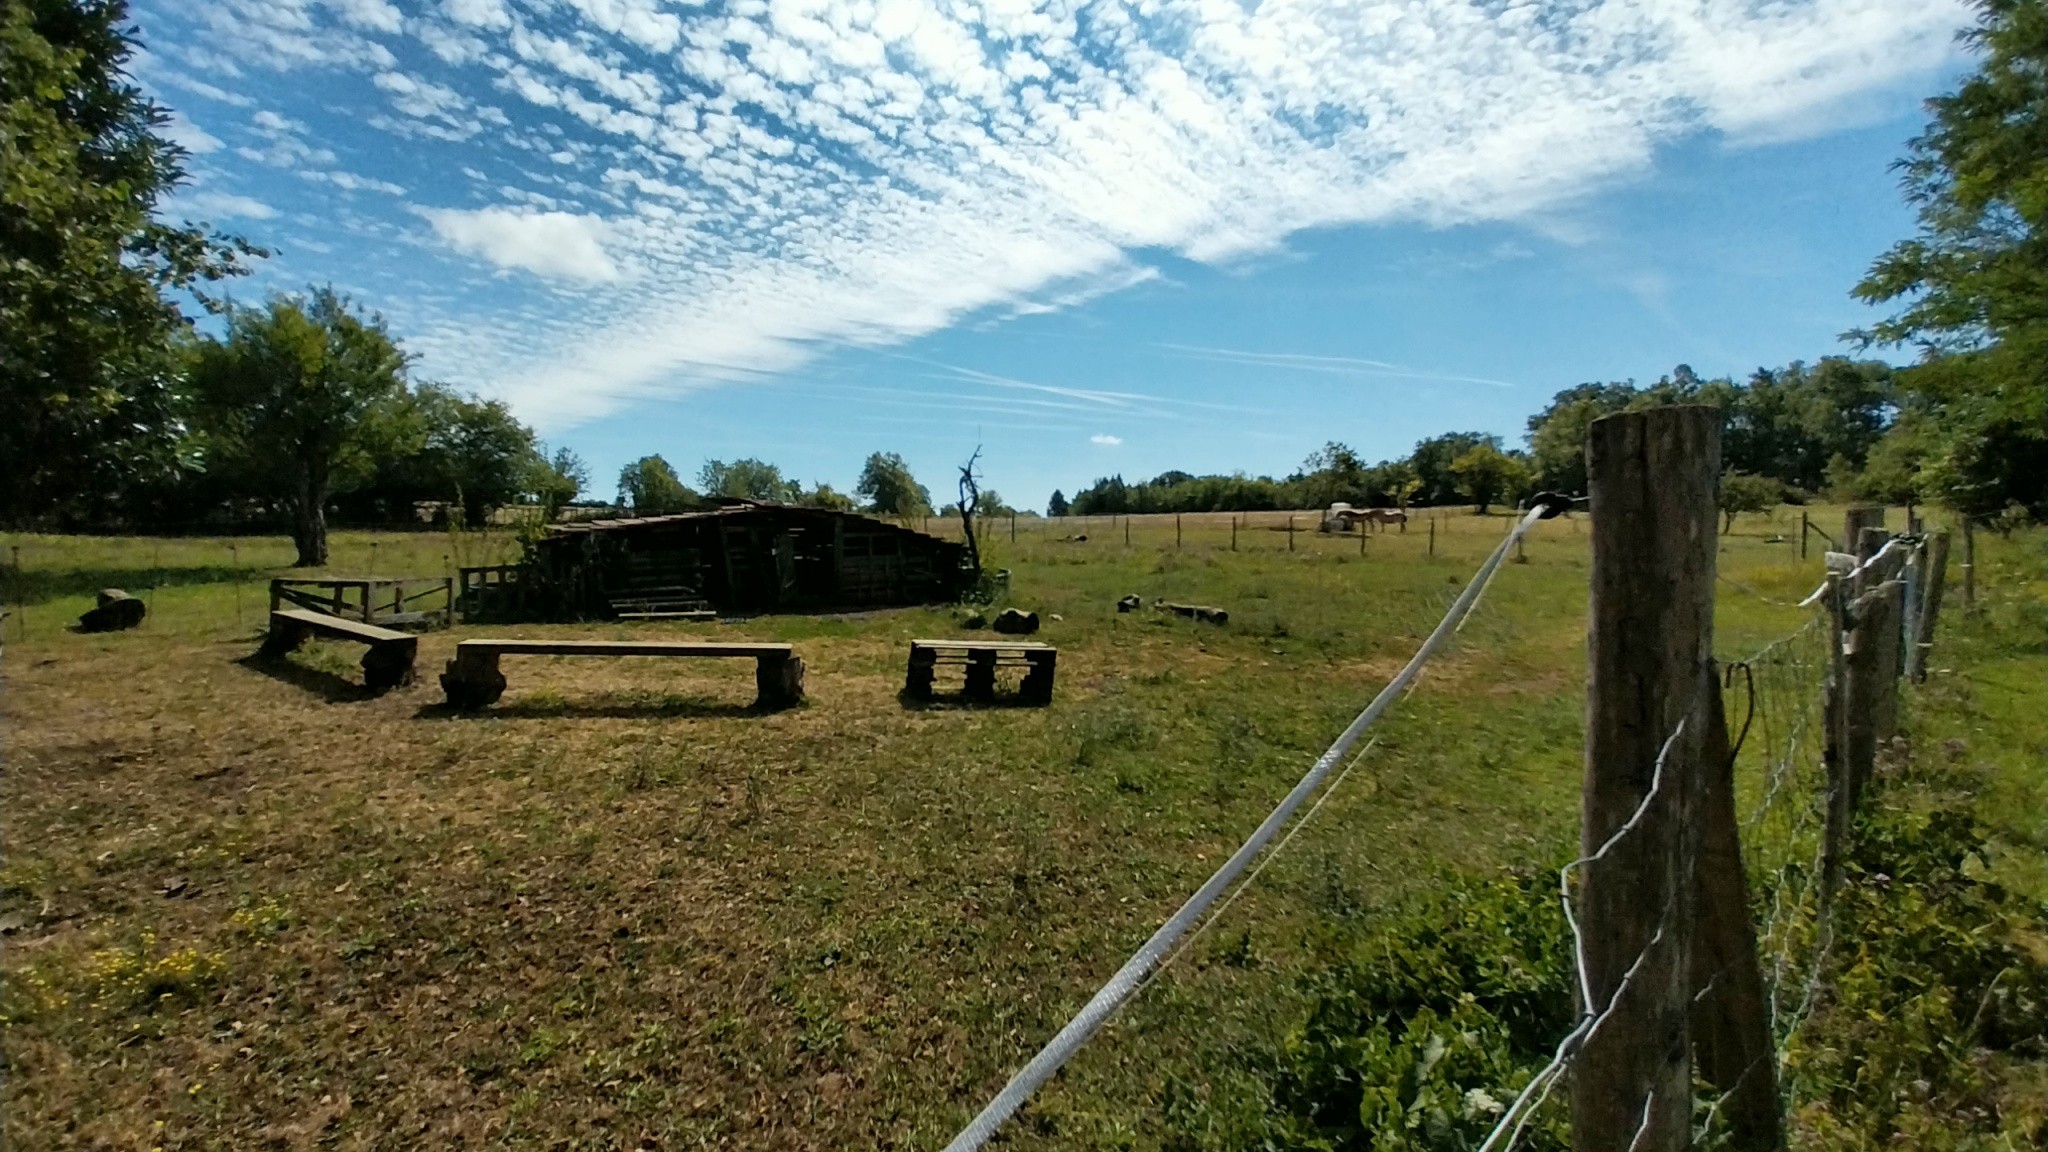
982, 658
386, 665
473, 680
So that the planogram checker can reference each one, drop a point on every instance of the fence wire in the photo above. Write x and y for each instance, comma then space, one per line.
1778, 693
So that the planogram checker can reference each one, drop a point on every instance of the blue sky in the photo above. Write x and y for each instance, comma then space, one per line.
1092, 237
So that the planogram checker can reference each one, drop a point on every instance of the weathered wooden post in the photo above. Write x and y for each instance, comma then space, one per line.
1127, 529
1835, 746
1649, 641
1290, 531
1803, 530
1013, 527
1870, 690
1934, 582
1432, 535
1233, 532
1176, 531
235, 567
1361, 542
1856, 519
1867, 543
1969, 563
1731, 1016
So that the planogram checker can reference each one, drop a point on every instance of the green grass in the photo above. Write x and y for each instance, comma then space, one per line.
621, 908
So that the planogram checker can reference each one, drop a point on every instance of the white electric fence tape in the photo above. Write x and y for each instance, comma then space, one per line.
1128, 978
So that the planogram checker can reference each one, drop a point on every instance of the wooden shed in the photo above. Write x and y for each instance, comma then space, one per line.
739, 559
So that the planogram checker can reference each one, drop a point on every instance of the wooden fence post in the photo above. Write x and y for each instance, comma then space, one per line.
1855, 520
1361, 541
1127, 529
1233, 532
1731, 1016
1290, 531
1013, 527
1176, 531
1870, 691
1432, 535
1932, 585
1649, 641
1802, 533
1835, 747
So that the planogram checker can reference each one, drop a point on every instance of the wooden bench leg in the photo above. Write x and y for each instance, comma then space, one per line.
981, 675
473, 682
778, 681
1037, 685
284, 637
917, 683
388, 665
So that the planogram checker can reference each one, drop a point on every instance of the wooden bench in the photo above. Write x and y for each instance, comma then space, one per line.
386, 665
473, 680
982, 658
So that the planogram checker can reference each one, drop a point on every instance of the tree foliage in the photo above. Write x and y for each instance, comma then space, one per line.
89, 275
1057, 506
748, 479
1743, 492
1486, 475
889, 488
1973, 280
1790, 424
650, 487
290, 398
556, 479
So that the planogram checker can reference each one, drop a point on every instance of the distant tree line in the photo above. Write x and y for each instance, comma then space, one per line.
1796, 431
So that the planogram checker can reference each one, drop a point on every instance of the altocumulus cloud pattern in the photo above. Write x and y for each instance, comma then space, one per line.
598, 200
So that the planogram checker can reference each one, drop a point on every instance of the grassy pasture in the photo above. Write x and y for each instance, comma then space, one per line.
247, 905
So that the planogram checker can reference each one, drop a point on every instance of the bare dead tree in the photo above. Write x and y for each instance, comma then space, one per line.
970, 499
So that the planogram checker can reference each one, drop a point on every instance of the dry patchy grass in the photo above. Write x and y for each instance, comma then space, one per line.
248, 905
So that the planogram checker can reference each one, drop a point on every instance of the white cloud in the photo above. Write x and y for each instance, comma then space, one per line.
420, 98
189, 136
372, 15
550, 244
1105, 439
223, 205
792, 175
350, 182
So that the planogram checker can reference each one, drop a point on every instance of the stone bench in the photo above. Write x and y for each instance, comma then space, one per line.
473, 681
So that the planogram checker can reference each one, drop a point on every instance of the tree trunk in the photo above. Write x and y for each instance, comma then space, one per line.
309, 518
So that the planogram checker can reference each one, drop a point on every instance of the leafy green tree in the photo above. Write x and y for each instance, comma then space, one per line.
651, 487
1896, 469
1742, 492
824, 495
1973, 280
1057, 506
889, 488
1557, 435
475, 451
748, 479
1485, 474
89, 276
556, 480
1432, 463
1331, 474
290, 396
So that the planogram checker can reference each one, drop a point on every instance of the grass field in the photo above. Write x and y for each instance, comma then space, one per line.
246, 904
